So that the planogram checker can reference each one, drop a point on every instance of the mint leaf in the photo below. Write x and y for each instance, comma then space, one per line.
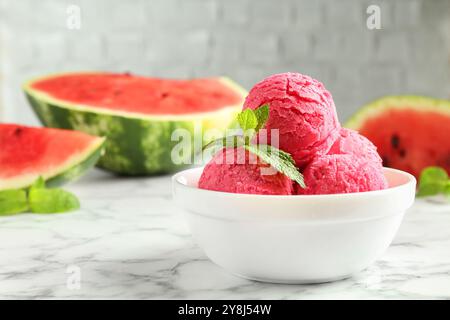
52, 200
39, 200
247, 120
430, 189
280, 160
262, 114
433, 180
13, 202
433, 174
228, 142
447, 189
39, 183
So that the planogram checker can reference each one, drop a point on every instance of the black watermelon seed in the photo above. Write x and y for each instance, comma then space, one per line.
402, 153
18, 132
385, 161
395, 141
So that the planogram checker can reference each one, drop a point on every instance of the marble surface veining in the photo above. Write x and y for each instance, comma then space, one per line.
130, 241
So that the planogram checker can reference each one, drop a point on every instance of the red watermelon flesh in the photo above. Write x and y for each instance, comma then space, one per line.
409, 138
152, 96
29, 152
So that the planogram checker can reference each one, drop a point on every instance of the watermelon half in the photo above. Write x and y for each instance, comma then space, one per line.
410, 132
137, 114
57, 155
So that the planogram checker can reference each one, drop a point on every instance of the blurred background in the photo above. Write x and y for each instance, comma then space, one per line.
243, 39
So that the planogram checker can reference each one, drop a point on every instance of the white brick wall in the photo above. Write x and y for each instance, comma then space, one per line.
244, 39
346, 13
307, 14
395, 45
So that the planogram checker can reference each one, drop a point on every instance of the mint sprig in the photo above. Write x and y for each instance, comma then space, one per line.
52, 201
262, 114
247, 120
37, 199
13, 202
251, 121
43, 200
434, 180
38, 184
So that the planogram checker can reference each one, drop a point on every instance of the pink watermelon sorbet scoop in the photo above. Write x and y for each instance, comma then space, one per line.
351, 165
341, 173
236, 170
302, 110
351, 142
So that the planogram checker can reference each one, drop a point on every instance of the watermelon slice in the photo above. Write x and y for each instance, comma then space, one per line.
137, 114
57, 155
410, 132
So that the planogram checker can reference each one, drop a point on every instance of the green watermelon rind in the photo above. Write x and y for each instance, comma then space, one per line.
78, 170
136, 144
68, 172
408, 102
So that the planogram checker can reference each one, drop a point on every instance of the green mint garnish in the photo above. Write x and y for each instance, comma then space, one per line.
433, 181
38, 199
247, 120
280, 160
52, 200
38, 184
446, 190
262, 114
251, 121
13, 202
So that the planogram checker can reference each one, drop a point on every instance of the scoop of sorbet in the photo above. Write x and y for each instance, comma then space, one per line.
351, 142
302, 110
238, 171
351, 165
341, 173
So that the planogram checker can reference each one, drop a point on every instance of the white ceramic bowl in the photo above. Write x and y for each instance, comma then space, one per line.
294, 239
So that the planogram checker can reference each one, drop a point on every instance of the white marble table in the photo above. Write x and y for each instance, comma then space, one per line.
130, 241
